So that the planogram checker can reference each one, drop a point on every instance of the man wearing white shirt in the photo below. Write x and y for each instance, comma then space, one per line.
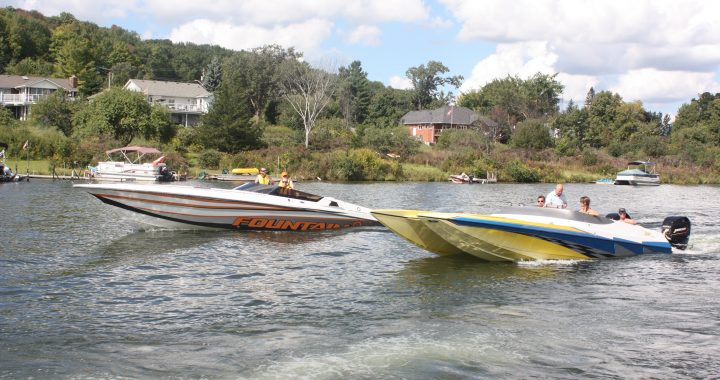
556, 198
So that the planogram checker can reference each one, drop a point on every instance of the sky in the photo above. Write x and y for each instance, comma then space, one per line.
660, 52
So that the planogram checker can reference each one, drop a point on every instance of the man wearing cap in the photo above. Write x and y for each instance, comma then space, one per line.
625, 217
262, 178
285, 181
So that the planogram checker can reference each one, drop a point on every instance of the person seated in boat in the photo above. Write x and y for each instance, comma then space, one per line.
625, 217
7, 171
556, 198
285, 181
263, 178
585, 206
541, 201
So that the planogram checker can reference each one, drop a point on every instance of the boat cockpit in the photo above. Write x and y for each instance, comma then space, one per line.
278, 191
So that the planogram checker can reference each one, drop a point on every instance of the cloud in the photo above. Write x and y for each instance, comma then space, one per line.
272, 12
400, 83
594, 37
664, 86
305, 36
99, 11
365, 34
661, 52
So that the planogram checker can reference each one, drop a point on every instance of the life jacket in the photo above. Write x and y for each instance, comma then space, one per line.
286, 185
263, 180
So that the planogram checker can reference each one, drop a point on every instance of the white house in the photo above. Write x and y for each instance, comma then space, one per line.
19, 92
186, 101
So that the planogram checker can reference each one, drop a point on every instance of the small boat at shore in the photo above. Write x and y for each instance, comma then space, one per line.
6, 174
638, 173
247, 207
527, 233
131, 168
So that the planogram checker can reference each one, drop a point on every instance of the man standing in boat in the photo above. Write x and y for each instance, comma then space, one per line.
556, 198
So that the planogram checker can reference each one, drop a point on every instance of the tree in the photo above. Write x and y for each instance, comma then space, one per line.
532, 134
54, 110
262, 70
354, 93
426, 81
589, 97
228, 125
212, 75
308, 90
120, 113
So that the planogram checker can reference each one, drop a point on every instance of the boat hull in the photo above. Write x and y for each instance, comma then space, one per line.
406, 224
184, 206
542, 236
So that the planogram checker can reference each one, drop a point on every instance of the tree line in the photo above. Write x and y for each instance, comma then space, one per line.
268, 96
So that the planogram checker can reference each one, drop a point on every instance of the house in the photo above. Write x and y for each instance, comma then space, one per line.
19, 92
185, 101
427, 125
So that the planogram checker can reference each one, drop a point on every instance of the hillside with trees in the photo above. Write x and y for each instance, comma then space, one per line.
271, 107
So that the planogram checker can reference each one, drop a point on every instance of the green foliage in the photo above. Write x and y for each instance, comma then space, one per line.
387, 140
426, 80
54, 111
516, 171
280, 136
209, 159
331, 133
6, 118
413, 172
467, 138
122, 114
589, 157
354, 93
566, 146
30, 66
227, 126
532, 134
363, 164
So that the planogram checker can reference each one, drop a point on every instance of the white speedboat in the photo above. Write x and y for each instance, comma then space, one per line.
131, 168
529, 233
638, 173
247, 207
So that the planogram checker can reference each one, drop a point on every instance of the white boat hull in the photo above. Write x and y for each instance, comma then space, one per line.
194, 207
638, 180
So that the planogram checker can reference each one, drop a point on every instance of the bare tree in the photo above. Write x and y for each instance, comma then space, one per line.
308, 90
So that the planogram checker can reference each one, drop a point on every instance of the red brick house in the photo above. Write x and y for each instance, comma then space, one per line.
429, 124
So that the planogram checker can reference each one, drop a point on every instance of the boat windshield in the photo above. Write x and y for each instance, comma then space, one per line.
278, 191
556, 213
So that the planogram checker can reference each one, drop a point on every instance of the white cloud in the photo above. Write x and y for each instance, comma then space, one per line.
305, 36
664, 86
521, 59
271, 12
99, 11
365, 35
400, 83
593, 37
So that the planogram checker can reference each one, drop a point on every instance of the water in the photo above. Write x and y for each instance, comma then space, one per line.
85, 294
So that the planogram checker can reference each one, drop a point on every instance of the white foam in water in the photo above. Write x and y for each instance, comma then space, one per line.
540, 263
379, 357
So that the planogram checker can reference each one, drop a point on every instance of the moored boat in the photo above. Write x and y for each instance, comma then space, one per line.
527, 233
247, 207
638, 173
131, 168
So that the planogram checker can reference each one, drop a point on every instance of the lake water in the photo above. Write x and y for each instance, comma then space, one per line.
83, 294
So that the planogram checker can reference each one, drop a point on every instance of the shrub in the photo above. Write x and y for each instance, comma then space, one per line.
531, 134
516, 171
471, 138
210, 159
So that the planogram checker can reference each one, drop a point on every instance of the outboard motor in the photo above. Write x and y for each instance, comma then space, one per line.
676, 230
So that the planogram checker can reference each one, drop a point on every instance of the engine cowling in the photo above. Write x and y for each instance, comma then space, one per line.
676, 230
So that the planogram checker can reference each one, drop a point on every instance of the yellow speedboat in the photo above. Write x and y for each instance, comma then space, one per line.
528, 233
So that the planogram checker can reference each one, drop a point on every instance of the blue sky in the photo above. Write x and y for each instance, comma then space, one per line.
660, 52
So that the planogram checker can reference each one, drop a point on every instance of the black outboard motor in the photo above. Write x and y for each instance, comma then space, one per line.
676, 230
